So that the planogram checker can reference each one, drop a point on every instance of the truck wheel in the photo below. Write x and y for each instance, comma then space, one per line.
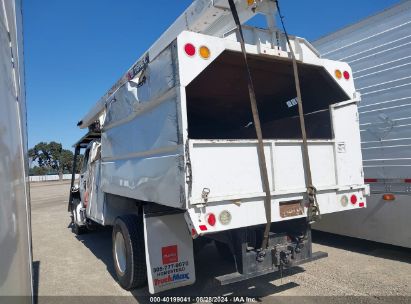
224, 251
78, 230
129, 252
75, 228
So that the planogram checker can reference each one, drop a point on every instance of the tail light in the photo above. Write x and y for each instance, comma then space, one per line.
347, 75
388, 197
353, 199
190, 49
203, 227
361, 205
204, 52
338, 74
211, 219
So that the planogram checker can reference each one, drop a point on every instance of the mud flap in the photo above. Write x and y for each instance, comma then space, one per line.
169, 252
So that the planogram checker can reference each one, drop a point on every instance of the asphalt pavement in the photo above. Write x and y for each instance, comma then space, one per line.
67, 266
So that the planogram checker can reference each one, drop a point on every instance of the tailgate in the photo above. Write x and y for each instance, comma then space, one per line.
230, 170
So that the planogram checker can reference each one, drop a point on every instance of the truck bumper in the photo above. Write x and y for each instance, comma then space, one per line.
238, 277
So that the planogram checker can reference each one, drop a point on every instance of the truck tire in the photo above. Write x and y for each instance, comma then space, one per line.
129, 252
75, 228
78, 230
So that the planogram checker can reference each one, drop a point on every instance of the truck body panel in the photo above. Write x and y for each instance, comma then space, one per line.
15, 232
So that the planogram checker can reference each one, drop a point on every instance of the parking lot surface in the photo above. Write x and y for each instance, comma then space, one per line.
70, 265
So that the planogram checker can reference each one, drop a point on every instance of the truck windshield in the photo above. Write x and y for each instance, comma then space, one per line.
219, 108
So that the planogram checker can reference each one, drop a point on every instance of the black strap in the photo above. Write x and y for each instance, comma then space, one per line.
257, 124
313, 212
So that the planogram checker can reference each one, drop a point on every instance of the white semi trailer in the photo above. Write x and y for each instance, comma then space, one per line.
377, 49
15, 234
174, 157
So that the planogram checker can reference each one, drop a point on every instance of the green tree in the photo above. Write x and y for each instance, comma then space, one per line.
36, 170
52, 157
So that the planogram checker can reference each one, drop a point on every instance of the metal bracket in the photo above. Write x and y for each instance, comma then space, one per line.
204, 195
261, 255
282, 255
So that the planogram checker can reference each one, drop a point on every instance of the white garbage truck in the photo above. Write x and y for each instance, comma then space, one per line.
220, 132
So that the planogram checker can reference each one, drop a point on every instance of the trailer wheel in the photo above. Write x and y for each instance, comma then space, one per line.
129, 252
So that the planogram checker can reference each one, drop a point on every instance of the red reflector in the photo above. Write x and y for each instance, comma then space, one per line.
407, 180
193, 232
211, 219
203, 227
370, 180
190, 49
362, 205
353, 199
388, 197
347, 75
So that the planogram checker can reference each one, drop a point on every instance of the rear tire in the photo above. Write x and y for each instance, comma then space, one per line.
129, 252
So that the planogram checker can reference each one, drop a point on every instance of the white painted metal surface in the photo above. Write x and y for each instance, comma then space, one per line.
382, 221
231, 169
15, 233
377, 49
229, 172
189, 69
249, 211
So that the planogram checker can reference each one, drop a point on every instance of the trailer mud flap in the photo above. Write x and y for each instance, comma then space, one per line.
169, 252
